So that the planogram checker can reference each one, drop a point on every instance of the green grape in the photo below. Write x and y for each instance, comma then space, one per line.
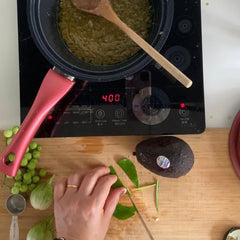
11, 157
42, 173
27, 176
8, 176
18, 178
36, 179
24, 162
24, 188
15, 190
39, 147
34, 160
8, 133
32, 172
33, 145
15, 129
9, 141
27, 150
28, 156
17, 184
31, 165
19, 172
27, 181
36, 154
32, 186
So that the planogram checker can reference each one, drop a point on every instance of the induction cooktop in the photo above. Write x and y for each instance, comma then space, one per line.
150, 102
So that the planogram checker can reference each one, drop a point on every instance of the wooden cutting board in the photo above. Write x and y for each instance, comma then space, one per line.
202, 205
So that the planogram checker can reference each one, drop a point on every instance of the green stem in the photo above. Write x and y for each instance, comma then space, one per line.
51, 179
144, 187
157, 190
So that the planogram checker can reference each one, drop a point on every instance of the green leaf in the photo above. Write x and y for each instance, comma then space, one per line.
124, 212
118, 183
128, 167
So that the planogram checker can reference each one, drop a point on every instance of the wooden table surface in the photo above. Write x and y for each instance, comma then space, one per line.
202, 205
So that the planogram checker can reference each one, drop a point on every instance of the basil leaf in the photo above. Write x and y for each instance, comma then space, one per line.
118, 183
128, 167
124, 212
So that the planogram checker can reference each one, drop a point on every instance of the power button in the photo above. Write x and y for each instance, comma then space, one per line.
184, 112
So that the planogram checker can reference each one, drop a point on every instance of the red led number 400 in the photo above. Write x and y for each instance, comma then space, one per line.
111, 97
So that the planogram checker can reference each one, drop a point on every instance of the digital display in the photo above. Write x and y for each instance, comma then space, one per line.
111, 98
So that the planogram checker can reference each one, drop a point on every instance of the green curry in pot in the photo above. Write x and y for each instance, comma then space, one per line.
98, 41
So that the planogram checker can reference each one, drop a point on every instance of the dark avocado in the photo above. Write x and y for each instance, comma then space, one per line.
166, 156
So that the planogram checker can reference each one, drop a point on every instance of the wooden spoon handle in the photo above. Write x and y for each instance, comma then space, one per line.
175, 72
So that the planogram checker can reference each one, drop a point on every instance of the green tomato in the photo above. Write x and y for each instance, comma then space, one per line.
24, 188
15, 190
8, 133
42, 173
33, 145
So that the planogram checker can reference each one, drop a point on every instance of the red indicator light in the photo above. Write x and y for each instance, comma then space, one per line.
182, 105
50, 117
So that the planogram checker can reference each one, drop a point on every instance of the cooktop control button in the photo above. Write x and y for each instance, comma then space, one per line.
100, 114
184, 112
151, 106
119, 113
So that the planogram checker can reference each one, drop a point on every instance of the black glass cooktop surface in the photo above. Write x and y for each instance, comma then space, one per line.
149, 102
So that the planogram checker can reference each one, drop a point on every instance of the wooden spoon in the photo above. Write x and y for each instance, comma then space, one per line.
103, 8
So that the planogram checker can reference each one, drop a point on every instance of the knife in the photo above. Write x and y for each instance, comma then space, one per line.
141, 218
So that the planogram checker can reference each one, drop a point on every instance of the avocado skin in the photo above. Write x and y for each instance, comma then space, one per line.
175, 149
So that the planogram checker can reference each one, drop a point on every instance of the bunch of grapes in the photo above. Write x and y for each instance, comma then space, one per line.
28, 175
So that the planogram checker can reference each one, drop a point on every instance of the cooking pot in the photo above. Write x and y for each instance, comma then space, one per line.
43, 24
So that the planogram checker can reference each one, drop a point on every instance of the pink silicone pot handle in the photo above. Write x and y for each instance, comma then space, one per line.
52, 89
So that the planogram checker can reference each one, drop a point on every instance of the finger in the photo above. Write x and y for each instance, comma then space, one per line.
102, 189
113, 200
90, 180
74, 180
59, 189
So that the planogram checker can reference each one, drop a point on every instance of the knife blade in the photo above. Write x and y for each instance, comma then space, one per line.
141, 218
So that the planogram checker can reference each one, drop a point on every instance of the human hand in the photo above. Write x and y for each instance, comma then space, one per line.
84, 212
